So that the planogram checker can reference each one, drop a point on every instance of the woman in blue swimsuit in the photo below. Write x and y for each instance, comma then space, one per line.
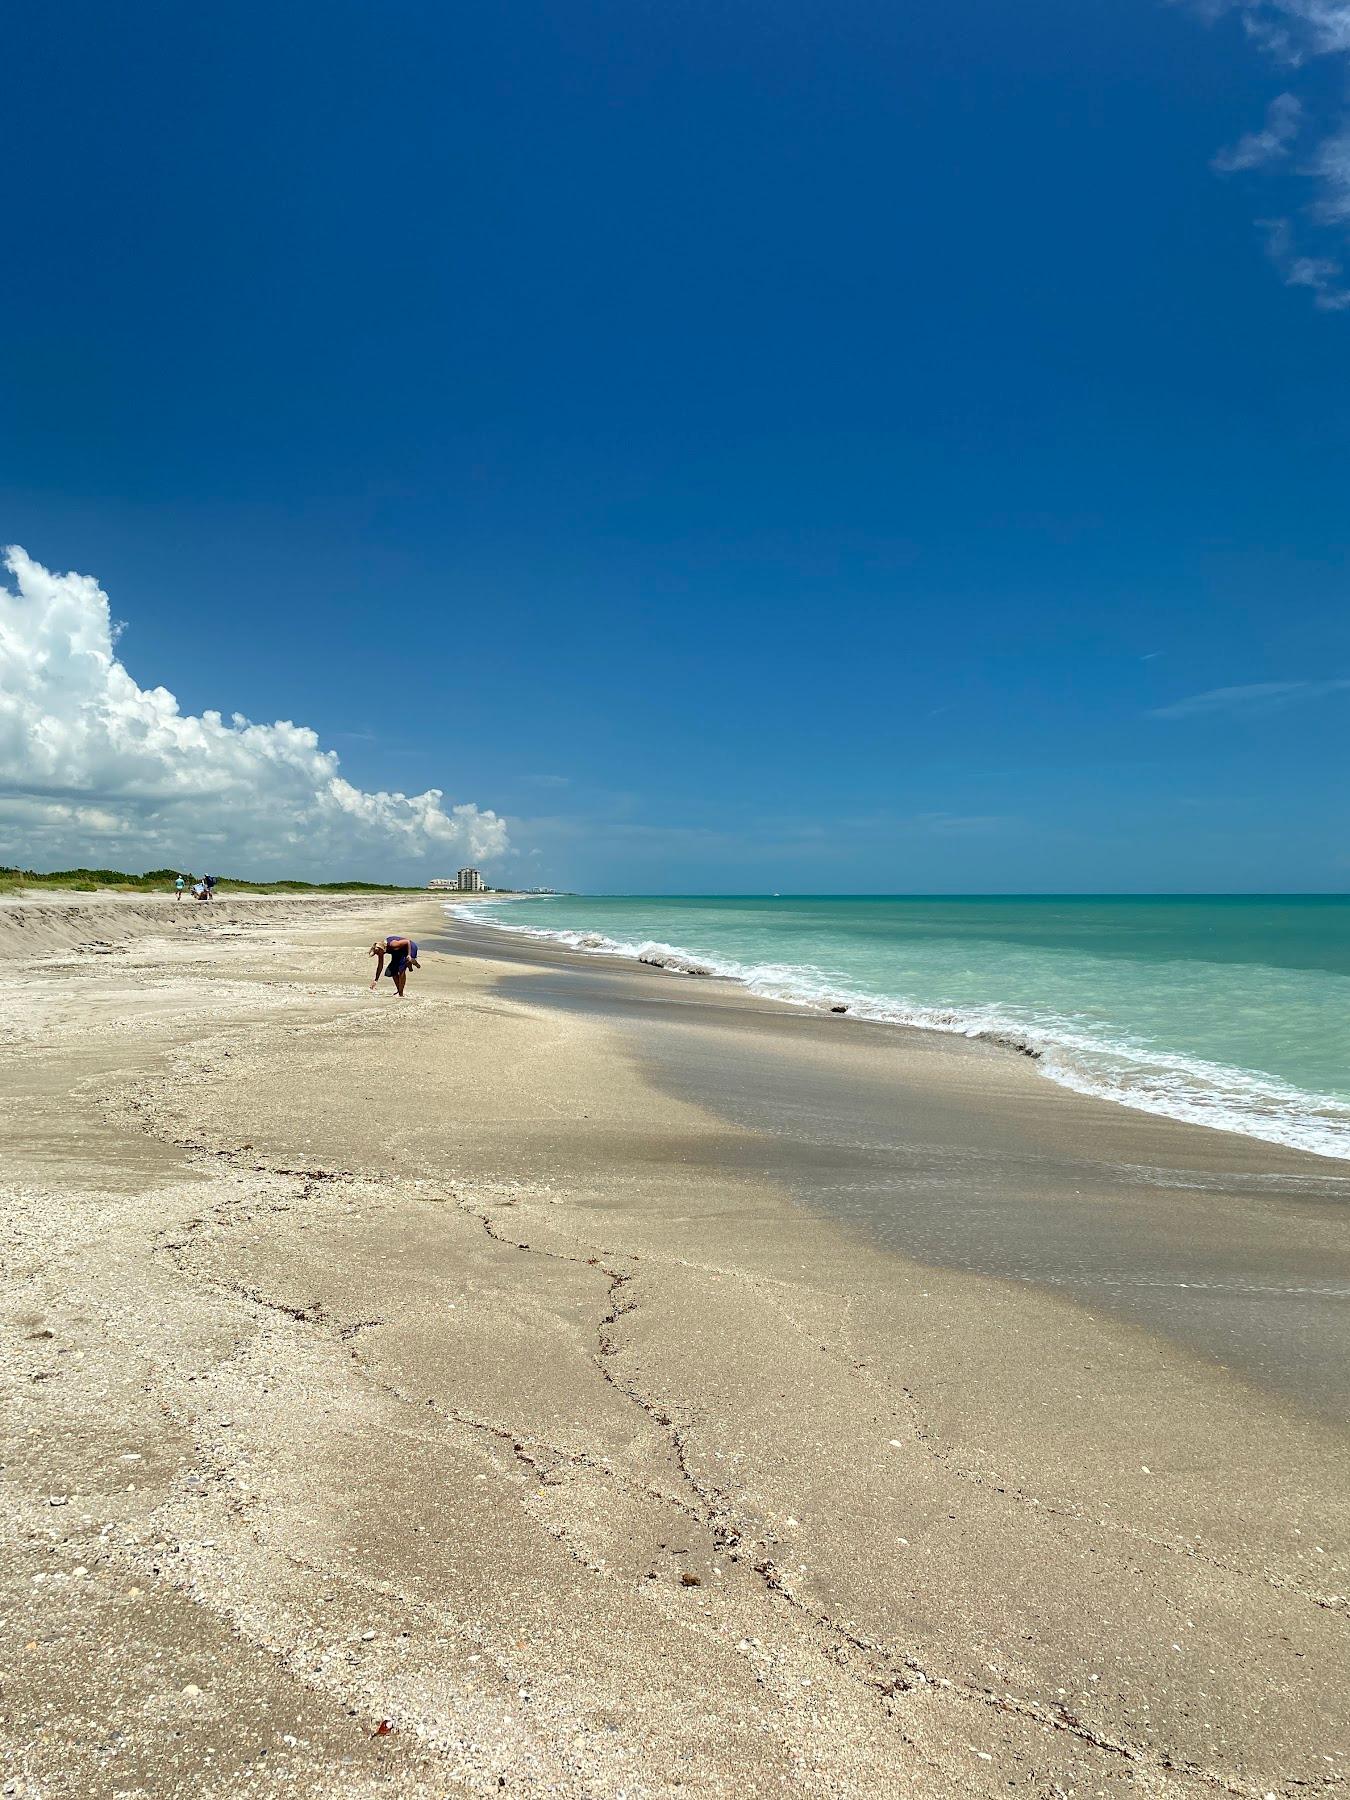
402, 954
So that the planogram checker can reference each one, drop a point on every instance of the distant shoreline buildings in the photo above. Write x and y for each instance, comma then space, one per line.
468, 881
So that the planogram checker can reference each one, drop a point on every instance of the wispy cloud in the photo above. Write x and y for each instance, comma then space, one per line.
1307, 243
1331, 167
1321, 275
1283, 117
1253, 697
960, 824
1289, 30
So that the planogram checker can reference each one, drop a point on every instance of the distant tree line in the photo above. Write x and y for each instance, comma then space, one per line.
156, 880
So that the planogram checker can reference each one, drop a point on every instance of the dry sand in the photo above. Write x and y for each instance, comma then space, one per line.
420, 1399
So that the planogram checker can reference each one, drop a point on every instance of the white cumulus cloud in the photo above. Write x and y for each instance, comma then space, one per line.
95, 769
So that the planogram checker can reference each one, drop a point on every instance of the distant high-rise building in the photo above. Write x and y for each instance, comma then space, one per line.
470, 882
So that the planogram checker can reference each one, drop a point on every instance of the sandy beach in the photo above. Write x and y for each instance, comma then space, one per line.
580, 1380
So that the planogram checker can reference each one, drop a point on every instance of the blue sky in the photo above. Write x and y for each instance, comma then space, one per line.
747, 446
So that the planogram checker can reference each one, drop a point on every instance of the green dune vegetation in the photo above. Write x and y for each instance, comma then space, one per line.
92, 881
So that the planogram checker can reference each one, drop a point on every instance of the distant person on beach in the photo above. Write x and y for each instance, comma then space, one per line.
209, 883
199, 891
178, 887
402, 954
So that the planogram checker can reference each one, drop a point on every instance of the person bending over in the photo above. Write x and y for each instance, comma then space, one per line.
402, 954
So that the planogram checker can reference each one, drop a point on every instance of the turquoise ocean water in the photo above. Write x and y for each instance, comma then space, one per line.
1229, 1011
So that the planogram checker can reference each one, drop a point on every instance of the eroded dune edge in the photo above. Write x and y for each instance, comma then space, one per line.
411, 1399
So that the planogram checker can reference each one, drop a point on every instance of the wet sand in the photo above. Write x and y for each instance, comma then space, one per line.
498, 1392
961, 1155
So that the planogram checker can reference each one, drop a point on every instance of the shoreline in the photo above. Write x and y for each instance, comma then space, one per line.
992, 1170
539, 1419
545, 948
1061, 1060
